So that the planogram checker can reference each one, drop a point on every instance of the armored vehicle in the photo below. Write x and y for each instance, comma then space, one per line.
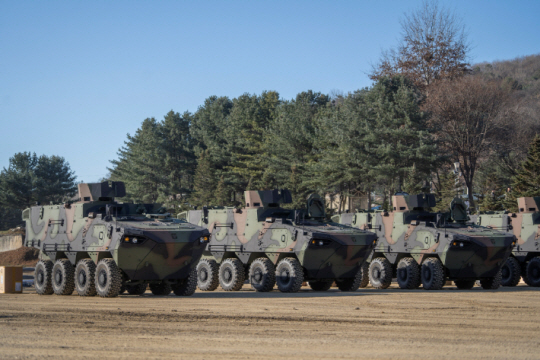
99, 246
273, 245
525, 225
421, 247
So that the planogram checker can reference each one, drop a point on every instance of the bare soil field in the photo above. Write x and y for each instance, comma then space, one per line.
369, 323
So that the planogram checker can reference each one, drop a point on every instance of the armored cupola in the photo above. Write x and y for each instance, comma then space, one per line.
103, 191
458, 210
267, 198
528, 204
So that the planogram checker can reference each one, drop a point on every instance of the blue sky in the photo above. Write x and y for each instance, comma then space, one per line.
76, 76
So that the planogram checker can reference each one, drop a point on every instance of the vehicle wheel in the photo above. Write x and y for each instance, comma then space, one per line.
464, 284
63, 281
364, 270
321, 285
533, 272
123, 288
289, 275
231, 274
84, 278
186, 287
207, 275
262, 275
161, 288
510, 272
352, 284
408, 273
491, 283
137, 289
108, 279
432, 274
42, 277
380, 273
524, 273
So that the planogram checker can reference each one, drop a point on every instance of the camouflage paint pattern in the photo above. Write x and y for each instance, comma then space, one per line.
467, 251
98, 227
263, 229
525, 225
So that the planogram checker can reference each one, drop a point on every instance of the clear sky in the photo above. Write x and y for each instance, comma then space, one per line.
77, 76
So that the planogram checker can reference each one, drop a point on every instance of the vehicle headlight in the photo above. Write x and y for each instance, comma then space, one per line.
133, 239
204, 239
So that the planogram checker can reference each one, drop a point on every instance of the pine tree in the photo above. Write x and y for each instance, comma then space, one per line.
446, 191
221, 198
204, 183
527, 180
414, 182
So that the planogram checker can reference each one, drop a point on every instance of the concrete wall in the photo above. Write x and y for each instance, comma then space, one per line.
11, 242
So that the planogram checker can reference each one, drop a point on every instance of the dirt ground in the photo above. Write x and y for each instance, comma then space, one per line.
368, 323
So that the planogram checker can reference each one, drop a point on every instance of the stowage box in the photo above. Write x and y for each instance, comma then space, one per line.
11, 279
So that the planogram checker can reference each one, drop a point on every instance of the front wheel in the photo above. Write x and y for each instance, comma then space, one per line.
289, 275
63, 281
186, 287
161, 288
408, 273
464, 284
533, 272
320, 285
42, 277
491, 283
231, 275
262, 275
108, 279
207, 275
137, 289
510, 272
380, 273
84, 278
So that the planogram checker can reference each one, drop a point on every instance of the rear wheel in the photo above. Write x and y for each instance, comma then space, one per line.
42, 277
320, 285
524, 273
408, 273
137, 289
186, 287
464, 284
511, 272
364, 280
380, 273
351, 284
63, 281
432, 274
207, 275
262, 275
108, 279
161, 288
84, 278
491, 283
231, 275
289, 275
533, 272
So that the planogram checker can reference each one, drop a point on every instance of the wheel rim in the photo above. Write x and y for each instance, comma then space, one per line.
203, 274
377, 273
257, 276
102, 278
285, 276
82, 278
427, 274
505, 273
227, 275
40, 277
58, 277
535, 273
402, 274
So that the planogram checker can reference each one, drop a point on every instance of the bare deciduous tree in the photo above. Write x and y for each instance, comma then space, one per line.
433, 46
466, 114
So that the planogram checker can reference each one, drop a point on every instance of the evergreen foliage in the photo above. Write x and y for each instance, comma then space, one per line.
527, 180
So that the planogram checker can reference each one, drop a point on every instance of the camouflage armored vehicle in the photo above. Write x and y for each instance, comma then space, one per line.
99, 246
420, 247
273, 245
525, 225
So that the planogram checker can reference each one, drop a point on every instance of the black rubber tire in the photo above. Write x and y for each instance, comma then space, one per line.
464, 284
320, 285
408, 273
108, 279
262, 275
186, 287
85, 278
524, 273
123, 288
63, 280
432, 274
289, 275
42, 277
161, 288
137, 289
207, 275
510, 272
364, 270
380, 273
231, 274
533, 272
492, 283
351, 284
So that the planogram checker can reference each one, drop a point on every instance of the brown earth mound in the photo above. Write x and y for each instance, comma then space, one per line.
24, 256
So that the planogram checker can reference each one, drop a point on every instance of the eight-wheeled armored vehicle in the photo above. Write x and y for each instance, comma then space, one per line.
524, 262
99, 246
421, 247
276, 245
